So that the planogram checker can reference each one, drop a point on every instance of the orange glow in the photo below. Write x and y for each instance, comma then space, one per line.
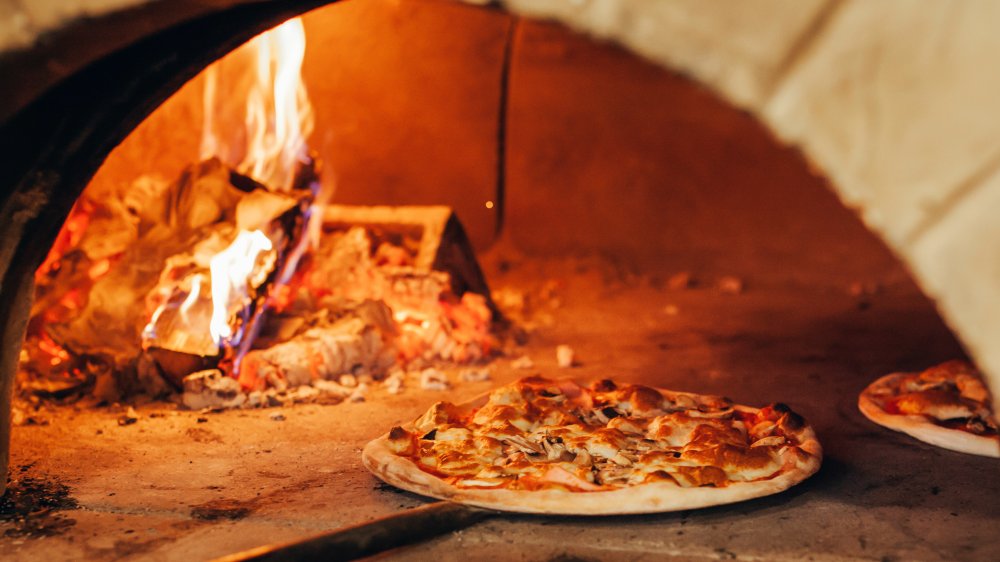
46, 344
99, 268
68, 238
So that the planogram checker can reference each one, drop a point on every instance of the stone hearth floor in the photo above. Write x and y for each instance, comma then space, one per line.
147, 490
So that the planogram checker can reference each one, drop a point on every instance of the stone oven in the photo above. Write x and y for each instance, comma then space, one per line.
780, 200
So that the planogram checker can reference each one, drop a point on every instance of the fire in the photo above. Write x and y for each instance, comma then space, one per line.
242, 280
192, 297
279, 117
278, 121
231, 271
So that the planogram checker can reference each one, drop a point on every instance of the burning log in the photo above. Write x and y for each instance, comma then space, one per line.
193, 321
361, 342
128, 284
141, 237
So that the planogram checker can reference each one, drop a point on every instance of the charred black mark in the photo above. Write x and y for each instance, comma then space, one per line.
32, 503
222, 509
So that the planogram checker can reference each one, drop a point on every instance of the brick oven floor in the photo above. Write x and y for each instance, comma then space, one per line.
879, 496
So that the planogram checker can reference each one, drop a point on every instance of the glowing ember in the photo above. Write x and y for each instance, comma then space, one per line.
231, 271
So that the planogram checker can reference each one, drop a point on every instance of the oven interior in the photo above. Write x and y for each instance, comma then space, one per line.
612, 206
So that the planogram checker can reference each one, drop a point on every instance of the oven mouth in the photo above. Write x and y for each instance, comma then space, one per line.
613, 220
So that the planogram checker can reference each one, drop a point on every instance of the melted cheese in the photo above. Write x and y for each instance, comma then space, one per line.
532, 435
939, 404
678, 428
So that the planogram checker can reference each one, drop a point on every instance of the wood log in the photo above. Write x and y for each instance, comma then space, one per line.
361, 341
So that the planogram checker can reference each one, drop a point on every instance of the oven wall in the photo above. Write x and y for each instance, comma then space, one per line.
895, 105
604, 153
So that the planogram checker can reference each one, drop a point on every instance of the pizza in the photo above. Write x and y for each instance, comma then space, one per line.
539, 445
947, 405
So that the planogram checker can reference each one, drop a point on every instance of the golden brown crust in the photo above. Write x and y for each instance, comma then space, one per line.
946, 405
720, 461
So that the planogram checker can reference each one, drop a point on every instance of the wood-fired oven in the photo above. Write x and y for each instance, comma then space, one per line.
496, 195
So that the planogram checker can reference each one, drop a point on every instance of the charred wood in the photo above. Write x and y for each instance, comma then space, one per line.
359, 343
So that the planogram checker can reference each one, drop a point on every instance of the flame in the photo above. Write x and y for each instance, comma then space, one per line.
279, 116
192, 296
278, 120
231, 270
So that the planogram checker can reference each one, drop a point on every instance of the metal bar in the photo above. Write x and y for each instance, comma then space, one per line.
501, 186
350, 543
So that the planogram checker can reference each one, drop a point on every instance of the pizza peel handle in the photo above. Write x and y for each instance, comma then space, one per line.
350, 543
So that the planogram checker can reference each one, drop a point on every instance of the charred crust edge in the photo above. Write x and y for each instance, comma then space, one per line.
605, 385
793, 421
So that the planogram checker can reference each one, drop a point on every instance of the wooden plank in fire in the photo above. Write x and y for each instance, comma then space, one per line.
441, 241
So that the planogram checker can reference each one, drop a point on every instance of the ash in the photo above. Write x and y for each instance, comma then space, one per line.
124, 302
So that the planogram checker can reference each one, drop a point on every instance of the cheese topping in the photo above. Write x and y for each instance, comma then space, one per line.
538, 433
951, 394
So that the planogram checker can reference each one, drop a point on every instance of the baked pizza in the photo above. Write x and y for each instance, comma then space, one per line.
947, 405
553, 446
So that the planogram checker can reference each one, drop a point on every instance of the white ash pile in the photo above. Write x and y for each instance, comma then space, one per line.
213, 390
359, 343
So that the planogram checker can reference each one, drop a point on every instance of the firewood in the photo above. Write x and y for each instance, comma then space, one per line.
172, 227
360, 341
181, 324
436, 236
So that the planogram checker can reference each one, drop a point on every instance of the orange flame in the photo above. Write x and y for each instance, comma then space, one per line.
231, 271
279, 117
192, 297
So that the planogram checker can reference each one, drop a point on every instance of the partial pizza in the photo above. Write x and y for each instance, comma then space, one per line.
553, 446
947, 405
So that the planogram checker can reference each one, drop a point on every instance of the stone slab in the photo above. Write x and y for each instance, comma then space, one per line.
879, 495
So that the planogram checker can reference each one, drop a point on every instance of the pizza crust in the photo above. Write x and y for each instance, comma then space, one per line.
921, 428
654, 497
